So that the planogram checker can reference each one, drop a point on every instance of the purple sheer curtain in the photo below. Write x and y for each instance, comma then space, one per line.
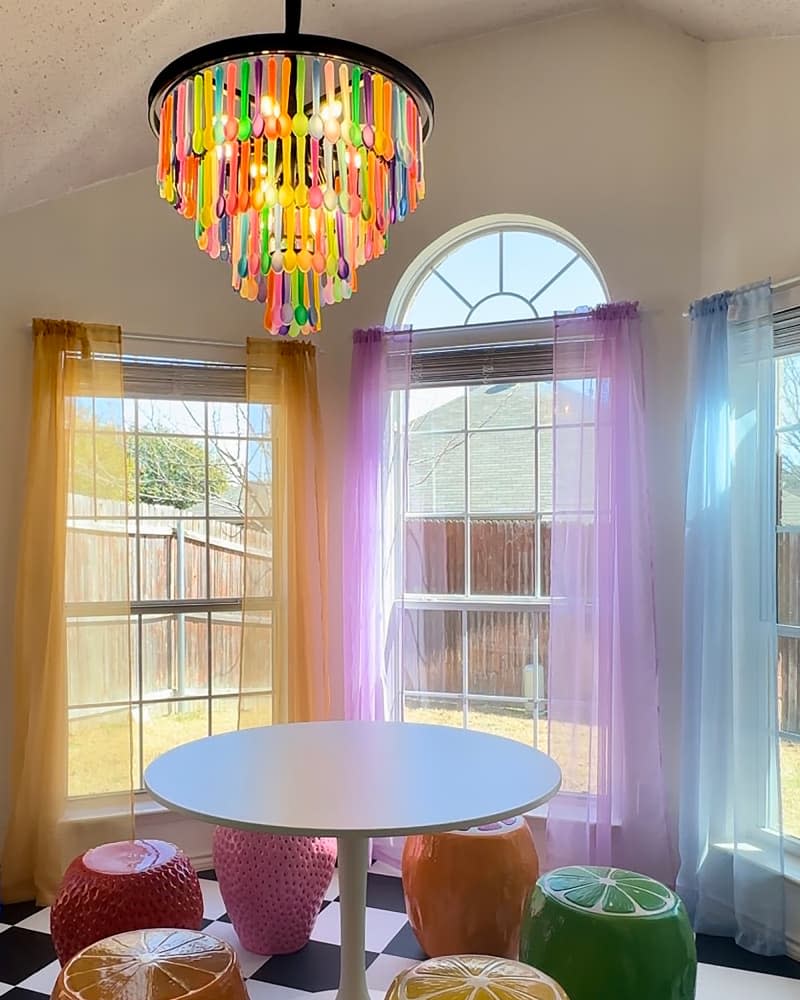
372, 562
603, 717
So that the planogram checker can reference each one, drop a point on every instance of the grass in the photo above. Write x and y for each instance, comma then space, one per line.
99, 752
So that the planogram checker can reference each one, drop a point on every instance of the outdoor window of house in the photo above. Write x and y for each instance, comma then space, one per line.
478, 506
191, 443
788, 559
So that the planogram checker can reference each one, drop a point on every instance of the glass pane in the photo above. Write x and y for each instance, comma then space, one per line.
435, 305
439, 409
572, 745
434, 711
226, 557
502, 405
224, 715
174, 655
789, 718
98, 477
473, 268
436, 474
574, 491
256, 711
503, 556
512, 720
501, 472
226, 647
101, 660
574, 400
258, 580
577, 288
788, 557
258, 478
170, 725
171, 474
99, 559
506, 657
789, 470
789, 391
435, 556
545, 537
544, 478
99, 751
172, 559
227, 474
530, 260
544, 392
238, 420
171, 416
432, 651
501, 309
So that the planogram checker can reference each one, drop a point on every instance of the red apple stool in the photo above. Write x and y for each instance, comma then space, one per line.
127, 886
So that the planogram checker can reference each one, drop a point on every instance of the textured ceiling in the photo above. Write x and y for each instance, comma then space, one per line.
74, 74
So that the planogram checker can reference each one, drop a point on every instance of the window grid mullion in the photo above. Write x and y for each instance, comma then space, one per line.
139, 622
209, 644
467, 564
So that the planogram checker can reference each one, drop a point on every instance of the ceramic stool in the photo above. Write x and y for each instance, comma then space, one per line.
606, 932
465, 891
124, 886
153, 965
272, 886
459, 976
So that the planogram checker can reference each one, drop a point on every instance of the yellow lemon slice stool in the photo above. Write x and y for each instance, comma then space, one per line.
153, 965
474, 977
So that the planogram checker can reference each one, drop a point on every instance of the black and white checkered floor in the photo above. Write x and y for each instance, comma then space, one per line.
28, 965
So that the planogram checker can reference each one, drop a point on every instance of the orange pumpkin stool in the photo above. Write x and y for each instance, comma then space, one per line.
153, 965
124, 886
461, 976
465, 891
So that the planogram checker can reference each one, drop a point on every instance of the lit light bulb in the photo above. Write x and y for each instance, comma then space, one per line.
253, 170
224, 119
266, 106
336, 109
228, 150
325, 112
220, 152
358, 161
263, 170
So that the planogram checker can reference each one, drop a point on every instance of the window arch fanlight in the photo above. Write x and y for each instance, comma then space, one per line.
497, 269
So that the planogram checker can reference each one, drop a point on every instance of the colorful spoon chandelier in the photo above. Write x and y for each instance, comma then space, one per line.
292, 154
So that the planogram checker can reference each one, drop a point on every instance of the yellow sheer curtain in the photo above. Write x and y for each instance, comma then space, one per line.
69, 654
286, 503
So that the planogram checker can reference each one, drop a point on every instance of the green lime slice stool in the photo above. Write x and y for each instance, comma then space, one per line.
606, 932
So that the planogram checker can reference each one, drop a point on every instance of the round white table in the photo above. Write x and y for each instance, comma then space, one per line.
353, 781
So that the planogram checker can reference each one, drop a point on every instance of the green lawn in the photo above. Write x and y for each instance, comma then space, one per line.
99, 753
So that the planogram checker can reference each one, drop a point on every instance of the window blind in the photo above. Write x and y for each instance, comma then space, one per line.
475, 365
787, 330
156, 379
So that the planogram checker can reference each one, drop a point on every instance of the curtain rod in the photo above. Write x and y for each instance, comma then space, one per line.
153, 338
777, 286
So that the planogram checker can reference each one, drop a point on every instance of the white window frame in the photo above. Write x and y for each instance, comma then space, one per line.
443, 339
163, 372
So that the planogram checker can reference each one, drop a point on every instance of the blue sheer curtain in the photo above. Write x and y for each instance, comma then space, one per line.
731, 842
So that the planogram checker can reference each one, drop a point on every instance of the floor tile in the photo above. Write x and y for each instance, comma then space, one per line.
405, 945
44, 980
720, 983
381, 868
723, 951
39, 921
18, 993
249, 962
4, 927
213, 906
23, 953
332, 892
313, 969
208, 873
13, 913
4, 988
385, 892
271, 991
382, 926
383, 970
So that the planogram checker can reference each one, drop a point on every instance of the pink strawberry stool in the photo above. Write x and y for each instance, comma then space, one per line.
272, 886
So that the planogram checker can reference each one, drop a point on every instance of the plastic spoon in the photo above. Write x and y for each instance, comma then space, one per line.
316, 126
355, 92
219, 88
197, 120
231, 125
208, 101
330, 117
368, 129
245, 124
258, 118
315, 191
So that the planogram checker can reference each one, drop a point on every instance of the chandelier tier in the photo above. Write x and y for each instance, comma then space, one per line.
292, 154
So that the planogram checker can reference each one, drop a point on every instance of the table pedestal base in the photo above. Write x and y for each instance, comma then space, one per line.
353, 865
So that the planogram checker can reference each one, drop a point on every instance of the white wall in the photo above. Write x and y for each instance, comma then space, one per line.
752, 165
598, 128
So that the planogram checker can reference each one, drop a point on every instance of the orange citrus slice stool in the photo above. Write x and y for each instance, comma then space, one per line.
466, 891
125, 886
476, 977
153, 965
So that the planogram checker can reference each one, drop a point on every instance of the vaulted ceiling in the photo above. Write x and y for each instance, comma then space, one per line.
74, 73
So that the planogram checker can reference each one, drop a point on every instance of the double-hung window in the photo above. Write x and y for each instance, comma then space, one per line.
478, 478
195, 450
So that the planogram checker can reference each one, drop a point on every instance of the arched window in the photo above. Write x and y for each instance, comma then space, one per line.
478, 477
497, 270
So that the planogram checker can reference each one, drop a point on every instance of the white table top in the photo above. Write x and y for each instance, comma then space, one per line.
364, 778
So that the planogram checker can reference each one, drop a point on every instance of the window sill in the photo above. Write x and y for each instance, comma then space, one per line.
791, 860
107, 806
